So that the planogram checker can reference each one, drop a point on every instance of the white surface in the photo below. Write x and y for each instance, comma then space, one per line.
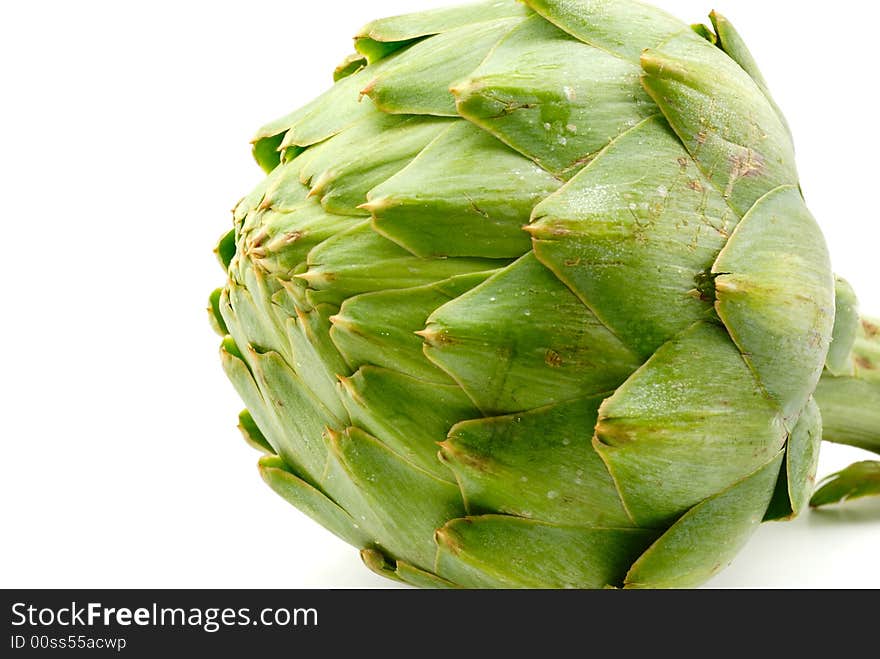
123, 145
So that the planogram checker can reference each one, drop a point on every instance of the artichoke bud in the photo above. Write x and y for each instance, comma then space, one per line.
514, 306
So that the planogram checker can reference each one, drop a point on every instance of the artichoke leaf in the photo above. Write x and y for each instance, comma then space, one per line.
418, 80
497, 551
551, 97
622, 27
798, 476
361, 261
311, 501
687, 425
350, 65
263, 415
214, 315
411, 417
252, 434
855, 482
549, 349
316, 359
723, 118
342, 170
302, 418
410, 27
407, 502
634, 234
327, 115
732, 43
537, 465
436, 207
402, 571
775, 294
706, 539
840, 360
379, 328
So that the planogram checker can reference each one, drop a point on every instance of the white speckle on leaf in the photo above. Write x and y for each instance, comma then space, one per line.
552, 494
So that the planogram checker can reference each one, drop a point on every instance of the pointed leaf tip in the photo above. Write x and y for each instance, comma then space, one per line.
855, 482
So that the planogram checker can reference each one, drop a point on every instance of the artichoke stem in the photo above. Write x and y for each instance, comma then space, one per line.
850, 404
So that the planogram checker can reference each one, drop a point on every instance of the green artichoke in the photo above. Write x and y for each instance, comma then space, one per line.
531, 298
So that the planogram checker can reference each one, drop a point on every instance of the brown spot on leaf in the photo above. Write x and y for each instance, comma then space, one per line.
865, 364
871, 330
291, 237
613, 434
747, 165
695, 185
553, 358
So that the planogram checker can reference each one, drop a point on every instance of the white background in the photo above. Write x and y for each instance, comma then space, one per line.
124, 132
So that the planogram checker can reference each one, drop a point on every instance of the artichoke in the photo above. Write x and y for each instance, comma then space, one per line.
531, 298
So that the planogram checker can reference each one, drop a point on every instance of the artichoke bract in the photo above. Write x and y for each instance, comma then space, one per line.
531, 298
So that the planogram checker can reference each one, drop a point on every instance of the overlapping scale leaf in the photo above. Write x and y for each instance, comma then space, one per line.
349, 66
690, 423
285, 238
846, 327
406, 503
723, 118
706, 539
409, 416
314, 503
549, 347
775, 294
380, 328
215, 318
622, 27
496, 551
242, 379
247, 323
360, 261
732, 43
798, 476
551, 97
436, 206
300, 414
539, 464
342, 170
315, 357
402, 571
330, 113
282, 224
252, 434
379, 37
635, 234
418, 80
